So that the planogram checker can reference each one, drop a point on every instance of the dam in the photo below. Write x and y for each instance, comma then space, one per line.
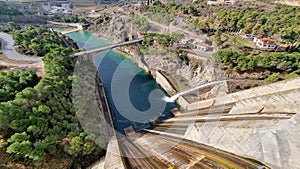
230, 131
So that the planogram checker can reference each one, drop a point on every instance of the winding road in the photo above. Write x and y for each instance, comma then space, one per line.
9, 51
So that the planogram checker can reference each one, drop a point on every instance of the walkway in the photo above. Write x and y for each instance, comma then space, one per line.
7, 47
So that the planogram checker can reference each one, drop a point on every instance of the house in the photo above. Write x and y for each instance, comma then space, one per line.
264, 43
203, 46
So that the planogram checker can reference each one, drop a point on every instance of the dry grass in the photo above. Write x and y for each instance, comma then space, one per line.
19, 65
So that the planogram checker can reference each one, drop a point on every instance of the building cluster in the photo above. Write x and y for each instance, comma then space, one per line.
259, 41
58, 7
198, 42
41, 8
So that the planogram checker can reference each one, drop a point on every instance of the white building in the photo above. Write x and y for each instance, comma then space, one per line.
203, 46
264, 43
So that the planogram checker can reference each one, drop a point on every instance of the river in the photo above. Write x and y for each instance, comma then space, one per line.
134, 96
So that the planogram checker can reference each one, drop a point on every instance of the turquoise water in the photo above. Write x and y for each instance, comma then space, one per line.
127, 86
87, 40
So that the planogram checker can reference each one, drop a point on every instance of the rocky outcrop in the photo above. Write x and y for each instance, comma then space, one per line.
116, 30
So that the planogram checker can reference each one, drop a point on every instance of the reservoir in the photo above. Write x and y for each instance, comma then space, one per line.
134, 97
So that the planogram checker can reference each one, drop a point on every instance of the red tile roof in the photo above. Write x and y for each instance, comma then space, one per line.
267, 41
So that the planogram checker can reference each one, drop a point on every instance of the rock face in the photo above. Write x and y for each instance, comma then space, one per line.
198, 71
116, 30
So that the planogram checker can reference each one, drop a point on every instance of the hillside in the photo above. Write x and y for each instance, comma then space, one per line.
290, 2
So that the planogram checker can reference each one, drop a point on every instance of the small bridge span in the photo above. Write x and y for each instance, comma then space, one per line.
107, 47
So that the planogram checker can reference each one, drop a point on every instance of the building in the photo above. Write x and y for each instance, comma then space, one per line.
224, 2
264, 43
199, 42
57, 7
203, 46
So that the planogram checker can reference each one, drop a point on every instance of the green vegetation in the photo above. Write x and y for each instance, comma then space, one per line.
163, 18
162, 39
296, 47
10, 27
231, 41
171, 8
13, 82
37, 42
41, 121
72, 19
275, 63
140, 22
274, 77
283, 21
6, 11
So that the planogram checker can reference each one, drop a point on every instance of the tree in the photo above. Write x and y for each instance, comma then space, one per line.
12, 26
74, 19
20, 148
273, 78
82, 20
41, 118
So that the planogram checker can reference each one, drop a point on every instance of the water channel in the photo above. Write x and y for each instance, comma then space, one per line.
131, 81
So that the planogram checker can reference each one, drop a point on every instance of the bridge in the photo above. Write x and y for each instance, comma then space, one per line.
97, 50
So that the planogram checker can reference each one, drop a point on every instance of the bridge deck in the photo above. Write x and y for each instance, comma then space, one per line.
107, 47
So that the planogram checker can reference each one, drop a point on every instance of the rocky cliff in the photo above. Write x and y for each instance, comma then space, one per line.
182, 74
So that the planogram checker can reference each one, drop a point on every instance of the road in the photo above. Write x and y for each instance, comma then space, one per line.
9, 51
